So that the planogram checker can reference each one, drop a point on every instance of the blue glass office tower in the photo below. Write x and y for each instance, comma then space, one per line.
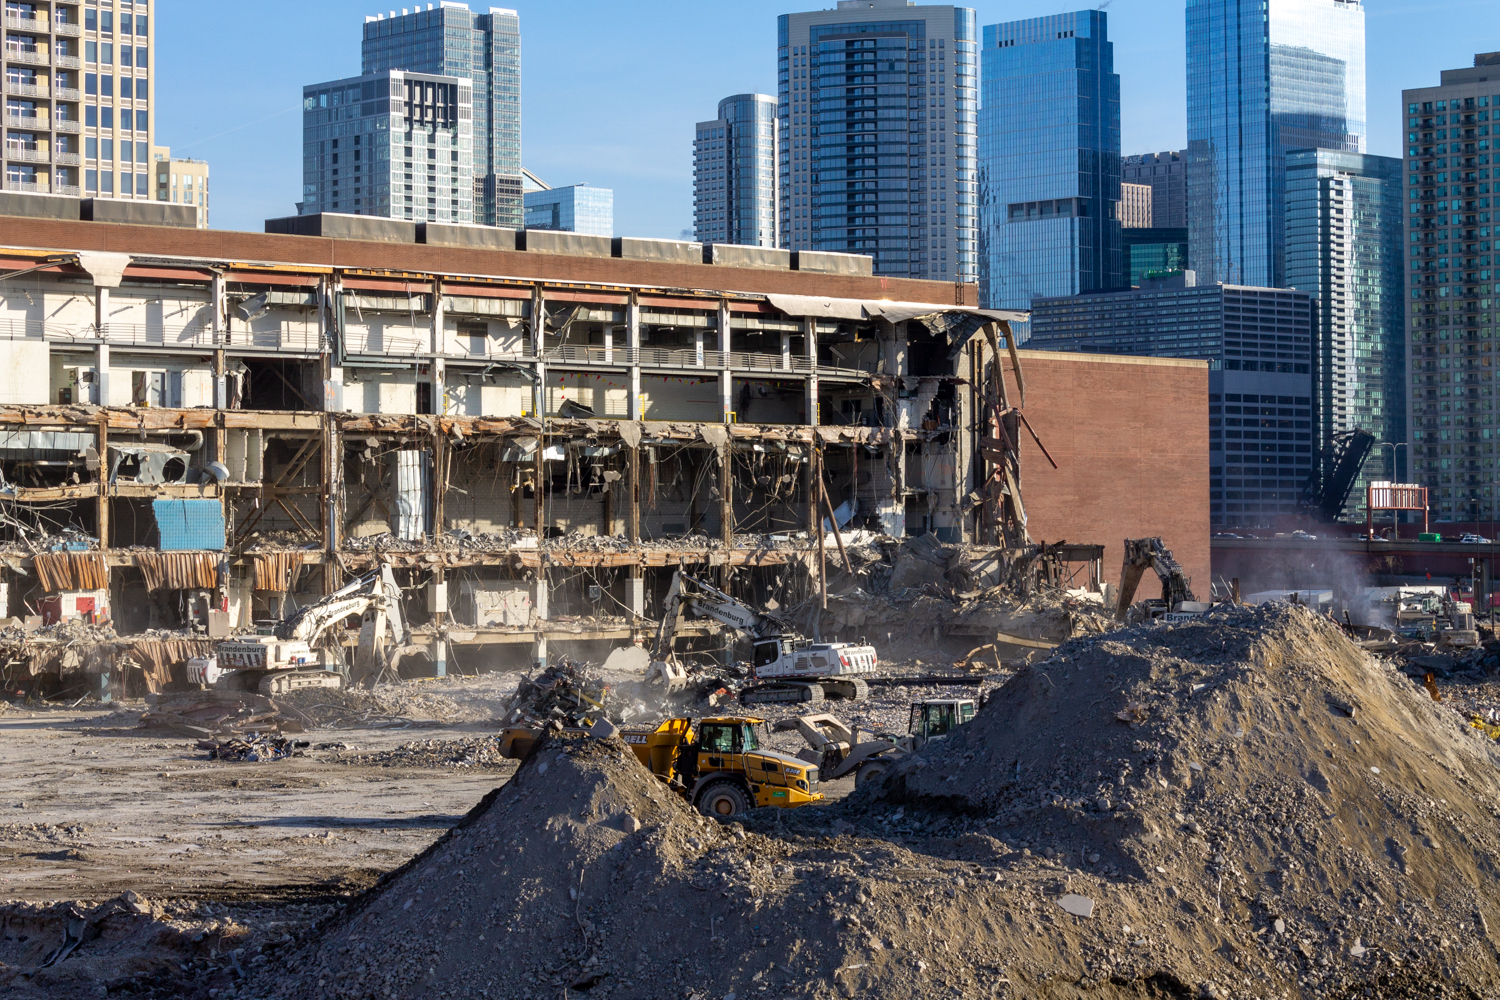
1049, 160
577, 208
734, 173
1263, 77
877, 135
452, 40
1344, 226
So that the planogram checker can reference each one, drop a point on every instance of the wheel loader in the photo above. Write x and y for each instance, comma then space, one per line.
839, 750
721, 767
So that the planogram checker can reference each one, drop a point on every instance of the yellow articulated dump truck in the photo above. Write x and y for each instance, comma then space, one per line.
722, 768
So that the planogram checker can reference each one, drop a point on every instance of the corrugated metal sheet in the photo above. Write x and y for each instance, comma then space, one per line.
411, 495
277, 570
71, 571
178, 570
189, 524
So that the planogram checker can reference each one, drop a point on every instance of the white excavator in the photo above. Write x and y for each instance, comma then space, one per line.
289, 658
785, 666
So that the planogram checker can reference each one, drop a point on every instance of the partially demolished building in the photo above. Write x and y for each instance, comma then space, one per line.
533, 428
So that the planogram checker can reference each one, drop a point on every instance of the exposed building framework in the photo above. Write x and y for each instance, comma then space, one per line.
535, 449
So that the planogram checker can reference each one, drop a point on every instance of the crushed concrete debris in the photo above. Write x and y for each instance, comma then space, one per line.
254, 749
565, 692
385, 706
476, 751
1284, 867
217, 713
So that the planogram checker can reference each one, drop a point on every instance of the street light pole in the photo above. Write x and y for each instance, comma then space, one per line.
1395, 514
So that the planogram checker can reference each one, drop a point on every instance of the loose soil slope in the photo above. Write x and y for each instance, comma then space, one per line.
1271, 775
1234, 839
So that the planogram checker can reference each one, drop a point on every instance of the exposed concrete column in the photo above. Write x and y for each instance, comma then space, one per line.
633, 406
216, 309
539, 392
107, 270
726, 508
609, 343
726, 375
539, 647
635, 592
101, 353
439, 348
786, 352
810, 353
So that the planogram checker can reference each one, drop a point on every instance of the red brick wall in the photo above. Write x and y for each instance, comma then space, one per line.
1130, 437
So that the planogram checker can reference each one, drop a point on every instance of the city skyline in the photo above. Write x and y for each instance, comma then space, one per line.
582, 112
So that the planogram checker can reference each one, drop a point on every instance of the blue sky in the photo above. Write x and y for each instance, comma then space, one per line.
611, 91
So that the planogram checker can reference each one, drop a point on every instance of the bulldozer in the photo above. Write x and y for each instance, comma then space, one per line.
719, 766
839, 750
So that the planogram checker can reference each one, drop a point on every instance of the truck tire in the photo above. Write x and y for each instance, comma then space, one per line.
869, 771
723, 799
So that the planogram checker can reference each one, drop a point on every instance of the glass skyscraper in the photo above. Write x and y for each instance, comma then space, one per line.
1263, 77
1451, 276
452, 40
734, 173
577, 208
1049, 160
1344, 244
878, 134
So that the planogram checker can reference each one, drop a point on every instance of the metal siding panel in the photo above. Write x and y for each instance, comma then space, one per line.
189, 524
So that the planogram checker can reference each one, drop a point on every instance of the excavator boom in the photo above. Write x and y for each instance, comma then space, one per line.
1142, 554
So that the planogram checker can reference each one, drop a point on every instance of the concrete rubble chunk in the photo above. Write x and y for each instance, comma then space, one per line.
1079, 906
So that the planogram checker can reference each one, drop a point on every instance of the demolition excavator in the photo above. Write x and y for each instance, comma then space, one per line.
289, 656
786, 666
1142, 554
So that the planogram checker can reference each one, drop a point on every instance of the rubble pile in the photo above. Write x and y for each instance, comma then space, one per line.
565, 692
204, 714
474, 751
385, 706
141, 947
457, 539
1255, 780
254, 749
1242, 807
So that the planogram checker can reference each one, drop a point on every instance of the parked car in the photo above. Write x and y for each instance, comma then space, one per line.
1299, 533
1225, 534
1472, 539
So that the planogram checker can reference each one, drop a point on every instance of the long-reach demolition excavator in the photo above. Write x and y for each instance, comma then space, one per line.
1142, 554
289, 658
786, 666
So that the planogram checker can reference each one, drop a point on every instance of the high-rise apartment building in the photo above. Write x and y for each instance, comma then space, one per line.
734, 173
1166, 173
1263, 77
878, 135
1451, 175
1049, 160
1344, 244
577, 208
1258, 342
1135, 206
392, 144
485, 50
78, 98
181, 181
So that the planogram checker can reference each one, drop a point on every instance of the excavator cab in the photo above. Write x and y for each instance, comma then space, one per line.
930, 719
767, 652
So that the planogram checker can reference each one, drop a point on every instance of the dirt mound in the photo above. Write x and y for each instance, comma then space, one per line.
1261, 797
1185, 811
136, 947
345, 708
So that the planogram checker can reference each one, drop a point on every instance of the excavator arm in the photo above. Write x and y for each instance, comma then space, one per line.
1142, 554
688, 595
